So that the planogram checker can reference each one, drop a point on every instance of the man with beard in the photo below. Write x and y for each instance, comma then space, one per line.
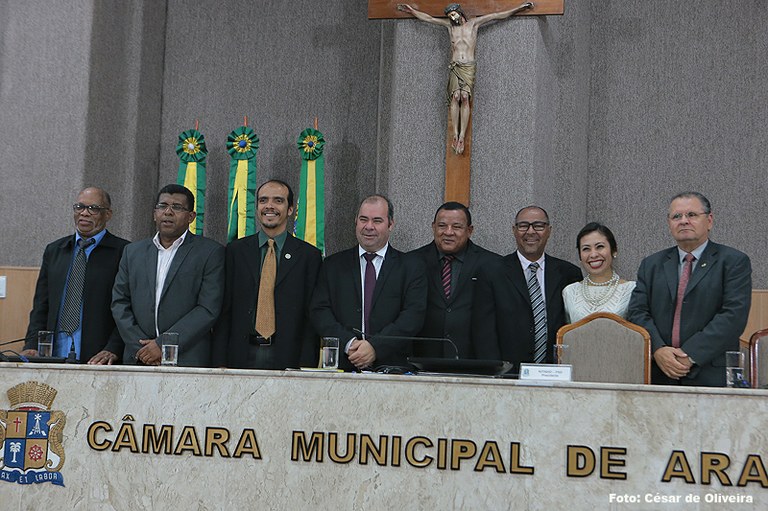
463, 33
270, 277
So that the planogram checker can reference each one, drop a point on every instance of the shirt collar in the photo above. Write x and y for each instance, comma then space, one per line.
525, 262
279, 239
175, 245
97, 237
695, 252
381, 252
459, 256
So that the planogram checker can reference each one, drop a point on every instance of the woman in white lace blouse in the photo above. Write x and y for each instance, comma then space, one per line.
602, 290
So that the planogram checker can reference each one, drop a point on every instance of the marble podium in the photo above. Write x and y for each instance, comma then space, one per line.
178, 438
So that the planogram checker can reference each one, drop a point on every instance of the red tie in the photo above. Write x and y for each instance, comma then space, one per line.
369, 284
445, 275
687, 267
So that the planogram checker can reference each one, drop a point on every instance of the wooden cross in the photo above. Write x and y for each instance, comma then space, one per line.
457, 170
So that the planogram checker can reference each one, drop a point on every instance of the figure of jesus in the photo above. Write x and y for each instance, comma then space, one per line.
463, 33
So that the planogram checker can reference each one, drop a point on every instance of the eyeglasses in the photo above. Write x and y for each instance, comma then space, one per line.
537, 226
691, 215
94, 209
177, 208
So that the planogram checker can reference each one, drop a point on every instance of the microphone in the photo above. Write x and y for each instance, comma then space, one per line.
4, 357
409, 338
25, 339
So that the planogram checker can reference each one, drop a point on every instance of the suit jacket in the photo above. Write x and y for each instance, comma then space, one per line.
502, 317
294, 343
399, 303
450, 318
190, 301
714, 314
98, 327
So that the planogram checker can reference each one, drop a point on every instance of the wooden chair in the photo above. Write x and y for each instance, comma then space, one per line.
758, 359
604, 347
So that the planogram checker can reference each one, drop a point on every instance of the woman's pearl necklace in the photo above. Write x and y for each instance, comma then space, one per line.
598, 294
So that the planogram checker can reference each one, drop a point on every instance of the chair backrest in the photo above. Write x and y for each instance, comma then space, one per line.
604, 347
758, 359
746, 353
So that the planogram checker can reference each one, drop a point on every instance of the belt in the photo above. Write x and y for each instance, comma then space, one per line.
260, 340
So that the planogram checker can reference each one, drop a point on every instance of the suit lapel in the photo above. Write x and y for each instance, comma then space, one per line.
434, 270
356, 278
515, 270
288, 258
552, 278
178, 259
670, 272
253, 259
708, 258
151, 259
467, 270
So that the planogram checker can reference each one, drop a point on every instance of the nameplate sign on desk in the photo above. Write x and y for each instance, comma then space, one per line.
545, 372
126, 438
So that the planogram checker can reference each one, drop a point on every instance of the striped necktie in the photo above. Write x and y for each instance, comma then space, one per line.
73, 299
539, 315
445, 275
681, 285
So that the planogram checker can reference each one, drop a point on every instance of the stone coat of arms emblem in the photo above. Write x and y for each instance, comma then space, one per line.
31, 448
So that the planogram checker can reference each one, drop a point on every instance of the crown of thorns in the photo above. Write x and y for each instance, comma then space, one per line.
455, 8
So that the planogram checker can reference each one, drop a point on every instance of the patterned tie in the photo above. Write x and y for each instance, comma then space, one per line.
687, 268
265, 312
445, 275
369, 286
73, 300
539, 315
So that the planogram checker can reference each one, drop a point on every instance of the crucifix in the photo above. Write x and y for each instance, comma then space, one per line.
462, 27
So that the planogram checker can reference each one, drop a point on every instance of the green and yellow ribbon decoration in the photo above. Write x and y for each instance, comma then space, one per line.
242, 145
310, 215
192, 152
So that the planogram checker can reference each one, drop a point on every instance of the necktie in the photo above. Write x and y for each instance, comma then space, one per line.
539, 315
369, 286
73, 299
265, 311
687, 268
446, 275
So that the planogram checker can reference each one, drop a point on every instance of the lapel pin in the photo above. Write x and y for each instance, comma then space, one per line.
287, 256
703, 265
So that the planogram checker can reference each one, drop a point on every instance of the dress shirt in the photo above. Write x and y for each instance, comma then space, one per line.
279, 244
63, 341
456, 264
164, 259
377, 262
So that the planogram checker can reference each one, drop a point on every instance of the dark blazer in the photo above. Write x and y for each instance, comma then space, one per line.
399, 303
190, 301
450, 318
294, 343
714, 314
98, 332
502, 317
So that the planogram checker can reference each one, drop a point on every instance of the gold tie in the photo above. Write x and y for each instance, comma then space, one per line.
265, 310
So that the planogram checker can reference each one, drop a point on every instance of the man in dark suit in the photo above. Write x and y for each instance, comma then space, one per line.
692, 298
95, 337
173, 282
371, 290
452, 263
519, 302
287, 340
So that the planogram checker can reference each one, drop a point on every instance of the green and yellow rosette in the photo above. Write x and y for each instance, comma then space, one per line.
192, 153
242, 145
310, 214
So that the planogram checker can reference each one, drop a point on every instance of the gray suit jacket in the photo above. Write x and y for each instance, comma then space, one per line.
190, 302
715, 308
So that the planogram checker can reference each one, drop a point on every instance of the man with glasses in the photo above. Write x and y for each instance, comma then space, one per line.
519, 303
74, 286
692, 298
173, 282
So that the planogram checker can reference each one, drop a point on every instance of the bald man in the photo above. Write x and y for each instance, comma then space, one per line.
80, 315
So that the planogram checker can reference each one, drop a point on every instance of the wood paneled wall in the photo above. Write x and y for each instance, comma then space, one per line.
20, 290
15, 307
